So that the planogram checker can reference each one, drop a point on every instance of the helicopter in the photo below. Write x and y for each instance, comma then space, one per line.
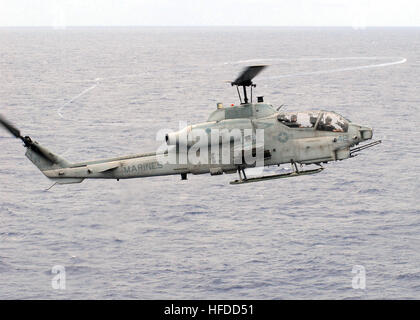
234, 138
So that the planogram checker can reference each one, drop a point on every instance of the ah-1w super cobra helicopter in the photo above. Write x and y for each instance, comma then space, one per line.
311, 137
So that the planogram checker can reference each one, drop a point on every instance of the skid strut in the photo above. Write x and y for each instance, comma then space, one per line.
240, 176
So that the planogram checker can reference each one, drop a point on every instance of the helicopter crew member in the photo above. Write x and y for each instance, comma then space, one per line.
327, 126
293, 122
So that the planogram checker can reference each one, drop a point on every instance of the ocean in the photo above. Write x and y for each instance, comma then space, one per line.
92, 93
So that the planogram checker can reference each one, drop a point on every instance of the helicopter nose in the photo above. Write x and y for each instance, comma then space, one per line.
360, 133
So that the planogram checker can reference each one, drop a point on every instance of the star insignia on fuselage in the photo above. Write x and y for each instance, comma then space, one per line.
283, 137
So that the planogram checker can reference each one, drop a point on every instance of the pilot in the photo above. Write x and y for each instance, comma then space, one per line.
312, 121
327, 126
293, 122
343, 127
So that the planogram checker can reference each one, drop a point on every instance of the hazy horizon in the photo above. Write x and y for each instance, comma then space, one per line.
262, 13
200, 26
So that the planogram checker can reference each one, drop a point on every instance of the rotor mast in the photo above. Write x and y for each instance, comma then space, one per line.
245, 80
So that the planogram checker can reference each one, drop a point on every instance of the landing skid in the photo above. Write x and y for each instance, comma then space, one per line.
278, 176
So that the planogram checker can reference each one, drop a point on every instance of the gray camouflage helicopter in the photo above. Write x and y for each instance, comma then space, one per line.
303, 137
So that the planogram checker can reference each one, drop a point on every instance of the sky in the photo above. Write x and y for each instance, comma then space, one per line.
354, 13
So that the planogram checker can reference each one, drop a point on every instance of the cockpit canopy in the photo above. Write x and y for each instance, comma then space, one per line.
321, 120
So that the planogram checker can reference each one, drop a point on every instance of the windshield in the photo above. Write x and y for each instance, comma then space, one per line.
331, 121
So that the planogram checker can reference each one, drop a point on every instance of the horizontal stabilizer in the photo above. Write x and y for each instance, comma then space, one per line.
103, 167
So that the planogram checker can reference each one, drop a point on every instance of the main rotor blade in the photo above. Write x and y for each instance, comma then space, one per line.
247, 75
10, 127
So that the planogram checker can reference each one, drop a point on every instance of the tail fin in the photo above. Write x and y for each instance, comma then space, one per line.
44, 159
40, 156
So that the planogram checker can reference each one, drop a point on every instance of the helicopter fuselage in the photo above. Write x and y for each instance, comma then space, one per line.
249, 135
299, 137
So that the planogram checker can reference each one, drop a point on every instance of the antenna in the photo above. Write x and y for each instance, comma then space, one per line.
245, 80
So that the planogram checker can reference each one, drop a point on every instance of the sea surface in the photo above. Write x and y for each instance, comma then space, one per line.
91, 93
